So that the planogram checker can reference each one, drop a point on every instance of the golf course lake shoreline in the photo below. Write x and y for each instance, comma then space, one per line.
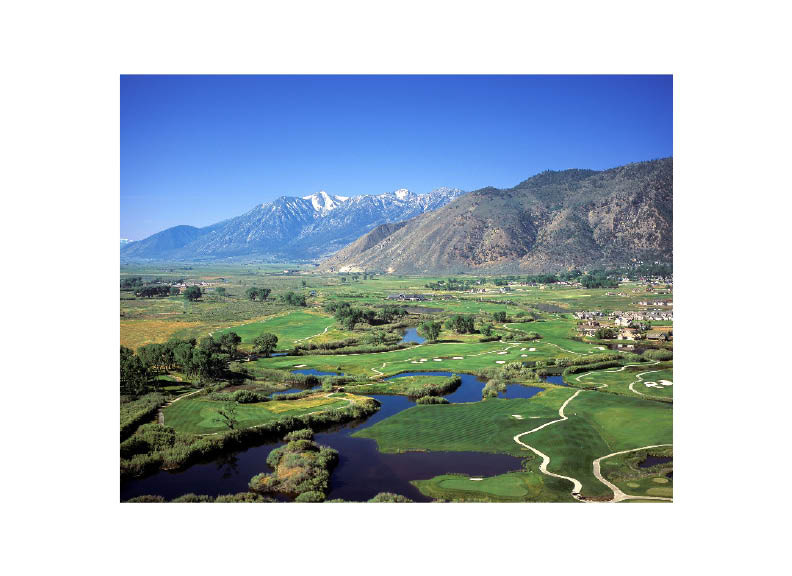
362, 471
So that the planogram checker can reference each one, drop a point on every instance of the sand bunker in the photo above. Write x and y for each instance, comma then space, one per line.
500, 361
517, 416
459, 358
437, 359
301, 365
523, 355
477, 479
531, 349
504, 352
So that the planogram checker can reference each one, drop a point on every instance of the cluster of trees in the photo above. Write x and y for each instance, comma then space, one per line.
454, 284
349, 316
430, 330
308, 465
134, 375
204, 360
294, 299
605, 333
261, 294
265, 343
499, 317
131, 283
192, 293
599, 279
461, 324
156, 290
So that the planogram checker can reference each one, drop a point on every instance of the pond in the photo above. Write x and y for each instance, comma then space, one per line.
361, 473
314, 372
471, 387
411, 335
650, 461
557, 379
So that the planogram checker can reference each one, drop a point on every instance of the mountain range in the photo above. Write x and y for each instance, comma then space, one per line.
295, 228
553, 221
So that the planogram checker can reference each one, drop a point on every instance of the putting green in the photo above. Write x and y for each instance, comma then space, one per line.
650, 381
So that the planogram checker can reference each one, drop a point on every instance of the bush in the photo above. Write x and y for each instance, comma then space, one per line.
242, 497
147, 498
249, 397
302, 434
658, 354
193, 498
138, 411
389, 497
431, 400
311, 496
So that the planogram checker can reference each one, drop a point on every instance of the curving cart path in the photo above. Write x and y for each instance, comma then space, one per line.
577, 487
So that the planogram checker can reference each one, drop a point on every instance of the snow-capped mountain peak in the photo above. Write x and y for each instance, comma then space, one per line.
324, 202
291, 227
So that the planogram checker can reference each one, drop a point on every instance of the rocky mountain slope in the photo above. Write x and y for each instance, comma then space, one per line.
550, 222
289, 227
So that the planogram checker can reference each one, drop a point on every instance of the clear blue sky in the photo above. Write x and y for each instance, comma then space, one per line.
199, 149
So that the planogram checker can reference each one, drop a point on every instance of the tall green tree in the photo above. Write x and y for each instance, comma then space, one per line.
265, 343
430, 330
192, 293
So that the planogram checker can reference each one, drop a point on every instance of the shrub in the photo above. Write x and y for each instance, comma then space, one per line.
389, 497
431, 400
147, 498
242, 497
138, 411
311, 496
193, 498
658, 354
302, 434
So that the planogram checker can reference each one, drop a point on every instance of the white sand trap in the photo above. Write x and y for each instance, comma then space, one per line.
600, 347
301, 365
459, 357
437, 359
500, 361
415, 362
522, 349
423, 359
531, 349
534, 416
666, 383
517, 416
501, 353
477, 479
523, 355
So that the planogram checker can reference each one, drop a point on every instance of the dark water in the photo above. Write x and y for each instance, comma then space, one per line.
361, 473
517, 391
471, 387
558, 379
279, 354
468, 391
411, 335
314, 372
294, 390
650, 461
